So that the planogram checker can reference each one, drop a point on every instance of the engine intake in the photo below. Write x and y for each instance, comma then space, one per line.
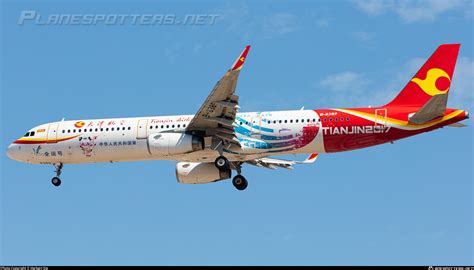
165, 144
199, 173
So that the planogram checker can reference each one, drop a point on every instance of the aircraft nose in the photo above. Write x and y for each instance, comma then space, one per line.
11, 151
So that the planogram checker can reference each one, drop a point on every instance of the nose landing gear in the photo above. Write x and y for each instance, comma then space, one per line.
56, 180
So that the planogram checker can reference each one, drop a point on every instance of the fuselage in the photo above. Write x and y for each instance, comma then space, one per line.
260, 134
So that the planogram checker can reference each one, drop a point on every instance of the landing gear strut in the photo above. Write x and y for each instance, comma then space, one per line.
224, 165
55, 180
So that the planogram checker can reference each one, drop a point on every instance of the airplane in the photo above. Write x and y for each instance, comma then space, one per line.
218, 139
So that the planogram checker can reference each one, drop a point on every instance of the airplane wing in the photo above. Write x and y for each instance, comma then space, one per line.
272, 163
217, 115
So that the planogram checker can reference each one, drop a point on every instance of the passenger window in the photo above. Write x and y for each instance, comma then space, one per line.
240, 123
74, 131
80, 130
68, 131
325, 119
96, 129
291, 121
162, 126
184, 125
347, 119
172, 126
279, 121
179, 125
128, 128
342, 118
107, 129
335, 119
112, 129
64, 131
151, 127
330, 119
101, 129
167, 126
296, 120
123, 128
314, 120
156, 126
285, 121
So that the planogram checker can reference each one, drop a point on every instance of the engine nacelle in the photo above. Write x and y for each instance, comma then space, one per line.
199, 173
165, 144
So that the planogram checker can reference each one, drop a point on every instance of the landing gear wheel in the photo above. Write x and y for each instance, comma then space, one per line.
240, 182
222, 164
56, 181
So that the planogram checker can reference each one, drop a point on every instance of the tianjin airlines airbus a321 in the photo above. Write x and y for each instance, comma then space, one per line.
217, 140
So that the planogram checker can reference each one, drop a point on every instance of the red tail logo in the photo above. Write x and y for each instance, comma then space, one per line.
433, 78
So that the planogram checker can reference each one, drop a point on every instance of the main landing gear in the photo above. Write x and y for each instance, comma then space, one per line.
239, 182
55, 180
223, 164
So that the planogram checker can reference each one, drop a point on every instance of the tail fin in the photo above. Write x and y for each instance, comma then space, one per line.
433, 78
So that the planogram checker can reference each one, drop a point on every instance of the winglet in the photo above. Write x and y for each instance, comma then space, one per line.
239, 63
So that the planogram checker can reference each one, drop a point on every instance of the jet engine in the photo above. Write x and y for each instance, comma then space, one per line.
199, 173
165, 144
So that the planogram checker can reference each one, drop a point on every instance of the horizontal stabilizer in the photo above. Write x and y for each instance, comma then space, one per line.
458, 125
272, 163
435, 107
310, 159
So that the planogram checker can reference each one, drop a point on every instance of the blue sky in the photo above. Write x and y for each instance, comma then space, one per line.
405, 203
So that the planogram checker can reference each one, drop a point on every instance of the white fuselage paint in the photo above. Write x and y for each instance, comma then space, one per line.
125, 139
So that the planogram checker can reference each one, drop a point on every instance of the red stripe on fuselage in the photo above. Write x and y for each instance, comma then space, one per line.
26, 141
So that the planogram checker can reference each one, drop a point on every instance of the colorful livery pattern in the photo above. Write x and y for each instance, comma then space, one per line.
218, 139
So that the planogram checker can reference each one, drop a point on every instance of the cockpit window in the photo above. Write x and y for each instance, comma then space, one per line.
32, 133
27, 134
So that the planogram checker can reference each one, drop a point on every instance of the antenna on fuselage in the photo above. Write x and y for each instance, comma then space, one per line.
62, 120
302, 108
